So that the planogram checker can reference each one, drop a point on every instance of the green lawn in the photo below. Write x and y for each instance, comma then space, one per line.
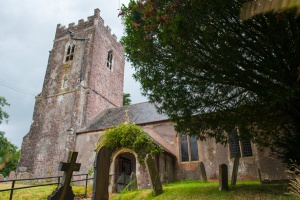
186, 190
37, 193
191, 190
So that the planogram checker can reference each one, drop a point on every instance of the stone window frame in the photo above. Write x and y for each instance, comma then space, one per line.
241, 145
110, 60
69, 51
189, 148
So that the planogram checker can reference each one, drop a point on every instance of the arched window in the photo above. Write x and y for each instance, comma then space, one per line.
109, 60
70, 52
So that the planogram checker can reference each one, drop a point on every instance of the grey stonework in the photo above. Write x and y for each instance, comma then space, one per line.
73, 93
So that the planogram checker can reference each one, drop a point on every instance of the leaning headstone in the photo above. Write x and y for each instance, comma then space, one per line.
133, 182
154, 176
259, 176
1, 177
203, 176
12, 176
223, 177
64, 190
235, 170
101, 174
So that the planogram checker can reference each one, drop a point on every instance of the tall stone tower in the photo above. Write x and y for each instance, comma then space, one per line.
84, 76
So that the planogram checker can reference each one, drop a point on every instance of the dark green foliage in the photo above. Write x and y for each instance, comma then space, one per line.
129, 136
9, 155
209, 71
126, 99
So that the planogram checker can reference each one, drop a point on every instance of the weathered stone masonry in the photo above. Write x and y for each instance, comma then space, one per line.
74, 92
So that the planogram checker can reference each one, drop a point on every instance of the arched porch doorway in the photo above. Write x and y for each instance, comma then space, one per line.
124, 163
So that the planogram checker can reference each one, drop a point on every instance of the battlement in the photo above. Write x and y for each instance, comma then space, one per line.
92, 21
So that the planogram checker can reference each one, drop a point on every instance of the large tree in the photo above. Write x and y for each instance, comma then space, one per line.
209, 71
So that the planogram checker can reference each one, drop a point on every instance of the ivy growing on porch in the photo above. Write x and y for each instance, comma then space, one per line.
131, 136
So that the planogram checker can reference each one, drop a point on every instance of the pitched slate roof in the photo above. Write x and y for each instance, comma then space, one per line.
138, 113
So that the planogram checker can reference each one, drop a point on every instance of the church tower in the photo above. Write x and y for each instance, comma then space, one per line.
84, 76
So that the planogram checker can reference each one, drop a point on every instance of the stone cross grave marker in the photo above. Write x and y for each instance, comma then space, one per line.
64, 191
154, 176
223, 177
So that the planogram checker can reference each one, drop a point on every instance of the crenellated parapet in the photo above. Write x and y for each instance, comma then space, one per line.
93, 21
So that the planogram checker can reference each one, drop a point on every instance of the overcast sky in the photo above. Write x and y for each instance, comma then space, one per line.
27, 29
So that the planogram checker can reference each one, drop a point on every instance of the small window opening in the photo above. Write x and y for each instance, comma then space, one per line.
109, 60
70, 52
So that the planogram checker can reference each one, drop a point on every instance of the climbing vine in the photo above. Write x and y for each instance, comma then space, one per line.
129, 135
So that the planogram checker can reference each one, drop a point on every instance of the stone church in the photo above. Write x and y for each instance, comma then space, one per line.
82, 96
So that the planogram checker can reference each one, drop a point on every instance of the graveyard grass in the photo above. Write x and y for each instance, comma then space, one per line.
185, 190
193, 190
38, 193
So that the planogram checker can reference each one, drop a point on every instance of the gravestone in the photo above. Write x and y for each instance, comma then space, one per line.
64, 190
259, 176
235, 170
203, 176
101, 174
154, 176
122, 182
223, 177
23, 175
12, 176
133, 182
1, 177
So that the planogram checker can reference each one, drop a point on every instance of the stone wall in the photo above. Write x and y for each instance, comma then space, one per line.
170, 165
213, 154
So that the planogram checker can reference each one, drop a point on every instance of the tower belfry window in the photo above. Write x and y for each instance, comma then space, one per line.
109, 60
70, 52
